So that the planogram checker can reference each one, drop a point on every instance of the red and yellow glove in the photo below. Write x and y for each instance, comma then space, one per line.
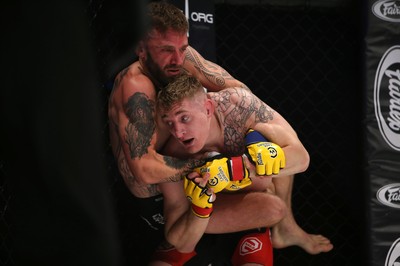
201, 198
268, 157
225, 173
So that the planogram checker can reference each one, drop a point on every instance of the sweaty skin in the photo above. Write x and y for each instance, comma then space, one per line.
219, 124
136, 139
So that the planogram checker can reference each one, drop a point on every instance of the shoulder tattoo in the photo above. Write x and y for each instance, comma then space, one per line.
120, 76
140, 128
237, 114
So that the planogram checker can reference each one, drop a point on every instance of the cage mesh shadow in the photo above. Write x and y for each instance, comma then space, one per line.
303, 62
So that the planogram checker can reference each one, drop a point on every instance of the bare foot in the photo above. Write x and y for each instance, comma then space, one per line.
287, 234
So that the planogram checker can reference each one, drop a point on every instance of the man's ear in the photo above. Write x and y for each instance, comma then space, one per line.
210, 108
140, 49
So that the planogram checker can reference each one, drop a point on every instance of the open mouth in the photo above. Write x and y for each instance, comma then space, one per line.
188, 142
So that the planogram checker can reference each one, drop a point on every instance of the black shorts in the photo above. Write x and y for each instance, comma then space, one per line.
141, 226
151, 212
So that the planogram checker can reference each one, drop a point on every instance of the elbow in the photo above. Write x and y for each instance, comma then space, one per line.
185, 248
299, 160
145, 181
178, 244
304, 162
144, 176
172, 239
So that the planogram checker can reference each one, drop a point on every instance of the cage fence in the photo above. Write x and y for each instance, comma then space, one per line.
304, 62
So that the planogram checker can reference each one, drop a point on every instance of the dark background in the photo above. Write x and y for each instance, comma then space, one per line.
306, 62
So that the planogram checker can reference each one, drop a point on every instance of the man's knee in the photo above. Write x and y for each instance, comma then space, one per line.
272, 206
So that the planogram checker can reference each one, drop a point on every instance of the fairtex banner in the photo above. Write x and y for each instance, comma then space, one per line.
382, 66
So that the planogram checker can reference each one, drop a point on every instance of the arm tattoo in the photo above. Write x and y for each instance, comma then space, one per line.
117, 82
118, 145
185, 166
119, 77
264, 113
133, 182
214, 73
244, 86
139, 109
237, 114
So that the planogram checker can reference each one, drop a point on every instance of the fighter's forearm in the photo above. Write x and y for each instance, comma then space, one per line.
297, 161
187, 231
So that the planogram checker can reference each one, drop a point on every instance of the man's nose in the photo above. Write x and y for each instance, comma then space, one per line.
178, 57
179, 132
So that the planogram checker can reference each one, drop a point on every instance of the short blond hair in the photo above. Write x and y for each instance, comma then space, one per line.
182, 87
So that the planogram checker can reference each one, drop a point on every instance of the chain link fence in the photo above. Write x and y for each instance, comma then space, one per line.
305, 63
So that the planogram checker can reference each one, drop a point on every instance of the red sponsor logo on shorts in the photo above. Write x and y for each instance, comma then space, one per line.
250, 245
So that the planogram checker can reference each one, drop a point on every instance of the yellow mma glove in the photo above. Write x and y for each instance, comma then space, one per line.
225, 173
268, 157
237, 185
200, 197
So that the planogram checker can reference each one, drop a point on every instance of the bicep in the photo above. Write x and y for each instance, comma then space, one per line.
137, 131
277, 130
136, 125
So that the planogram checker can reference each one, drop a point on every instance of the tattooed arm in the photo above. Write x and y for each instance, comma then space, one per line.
135, 137
240, 110
212, 76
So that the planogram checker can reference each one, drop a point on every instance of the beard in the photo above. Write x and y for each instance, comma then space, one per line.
158, 73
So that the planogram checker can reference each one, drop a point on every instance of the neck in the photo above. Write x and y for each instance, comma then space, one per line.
216, 138
145, 71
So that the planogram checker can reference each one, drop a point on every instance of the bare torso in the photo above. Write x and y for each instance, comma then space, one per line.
141, 149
